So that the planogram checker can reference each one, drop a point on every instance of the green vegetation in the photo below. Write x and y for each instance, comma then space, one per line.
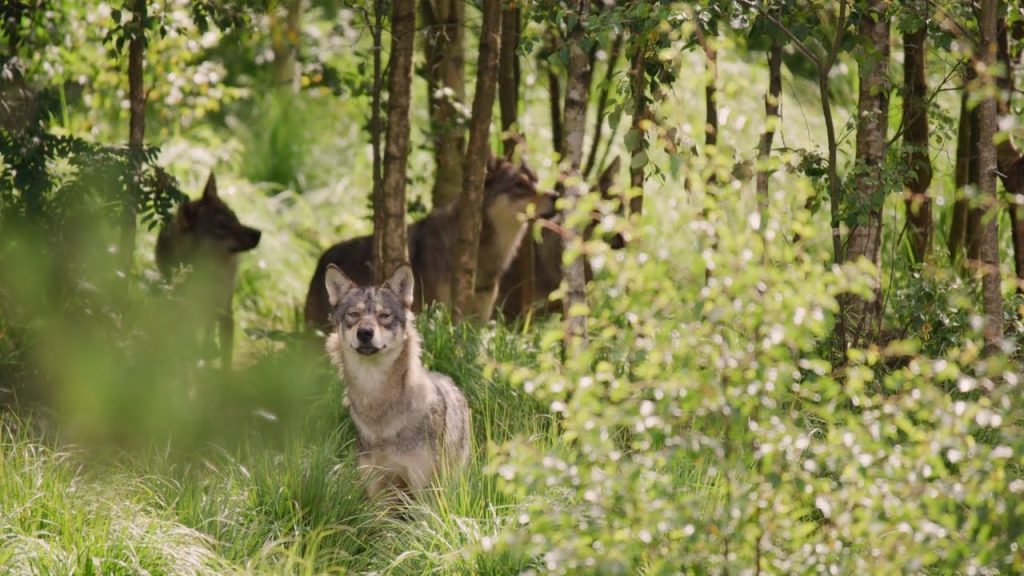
710, 426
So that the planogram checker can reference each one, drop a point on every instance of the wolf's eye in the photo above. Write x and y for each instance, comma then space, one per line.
385, 316
352, 315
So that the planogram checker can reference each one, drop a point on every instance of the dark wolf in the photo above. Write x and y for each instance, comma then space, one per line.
546, 265
509, 191
410, 422
206, 238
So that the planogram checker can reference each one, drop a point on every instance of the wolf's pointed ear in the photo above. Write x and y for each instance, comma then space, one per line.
401, 284
337, 284
210, 191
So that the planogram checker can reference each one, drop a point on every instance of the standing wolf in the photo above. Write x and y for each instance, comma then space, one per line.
409, 421
206, 236
509, 191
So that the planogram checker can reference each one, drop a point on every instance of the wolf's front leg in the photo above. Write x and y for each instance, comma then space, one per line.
481, 304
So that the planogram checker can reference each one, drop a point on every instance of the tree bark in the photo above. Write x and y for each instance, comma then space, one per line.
136, 130
992, 297
602, 104
1010, 160
509, 78
467, 299
555, 97
576, 98
961, 178
641, 115
868, 191
285, 40
710, 90
771, 117
918, 175
391, 235
445, 72
377, 32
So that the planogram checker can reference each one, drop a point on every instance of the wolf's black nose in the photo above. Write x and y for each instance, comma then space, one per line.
364, 335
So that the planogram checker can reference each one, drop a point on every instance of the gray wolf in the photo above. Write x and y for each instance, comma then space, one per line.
547, 260
509, 192
206, 237
410, 422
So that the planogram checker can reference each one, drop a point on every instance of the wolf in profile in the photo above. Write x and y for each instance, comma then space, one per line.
545, 269
207, 237
509, 192
410, 422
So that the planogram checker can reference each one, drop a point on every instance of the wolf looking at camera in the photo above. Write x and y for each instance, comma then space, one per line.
509, 192
410, 422
206, 237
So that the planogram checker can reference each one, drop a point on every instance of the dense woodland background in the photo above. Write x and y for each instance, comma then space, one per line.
787, 339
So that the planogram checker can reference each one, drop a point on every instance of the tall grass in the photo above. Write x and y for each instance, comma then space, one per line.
276, 499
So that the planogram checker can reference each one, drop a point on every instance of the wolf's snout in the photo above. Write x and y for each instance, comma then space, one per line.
364, 335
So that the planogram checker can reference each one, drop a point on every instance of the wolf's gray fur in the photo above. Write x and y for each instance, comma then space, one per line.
410, 422
508, 192
206, 236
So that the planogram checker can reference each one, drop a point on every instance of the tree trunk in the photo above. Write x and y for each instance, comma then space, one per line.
961, 178
508, 79
555, 97
867, 193
445, 72
576, 98
285, 40
602, 104
637, 141
771, 118
377, 31
1010, 160
992, 297
391, 235
710, 91
467, 299
918, 175
136, 130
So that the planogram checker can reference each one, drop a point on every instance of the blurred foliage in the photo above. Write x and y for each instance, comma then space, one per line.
703, 431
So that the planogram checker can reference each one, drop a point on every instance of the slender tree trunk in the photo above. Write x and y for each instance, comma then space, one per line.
972, 235
771, 118
602, 104
961, 178
868, 190
136, 129
445, 72
391, 235
710, 89
508, 79
1010, 160
576, 98
379, 212
467, 299
555, 97
637, 139
918, 176
285, 40
992, 297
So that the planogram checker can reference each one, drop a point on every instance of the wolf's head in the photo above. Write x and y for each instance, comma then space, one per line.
511, 190
213, 225
374, 319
